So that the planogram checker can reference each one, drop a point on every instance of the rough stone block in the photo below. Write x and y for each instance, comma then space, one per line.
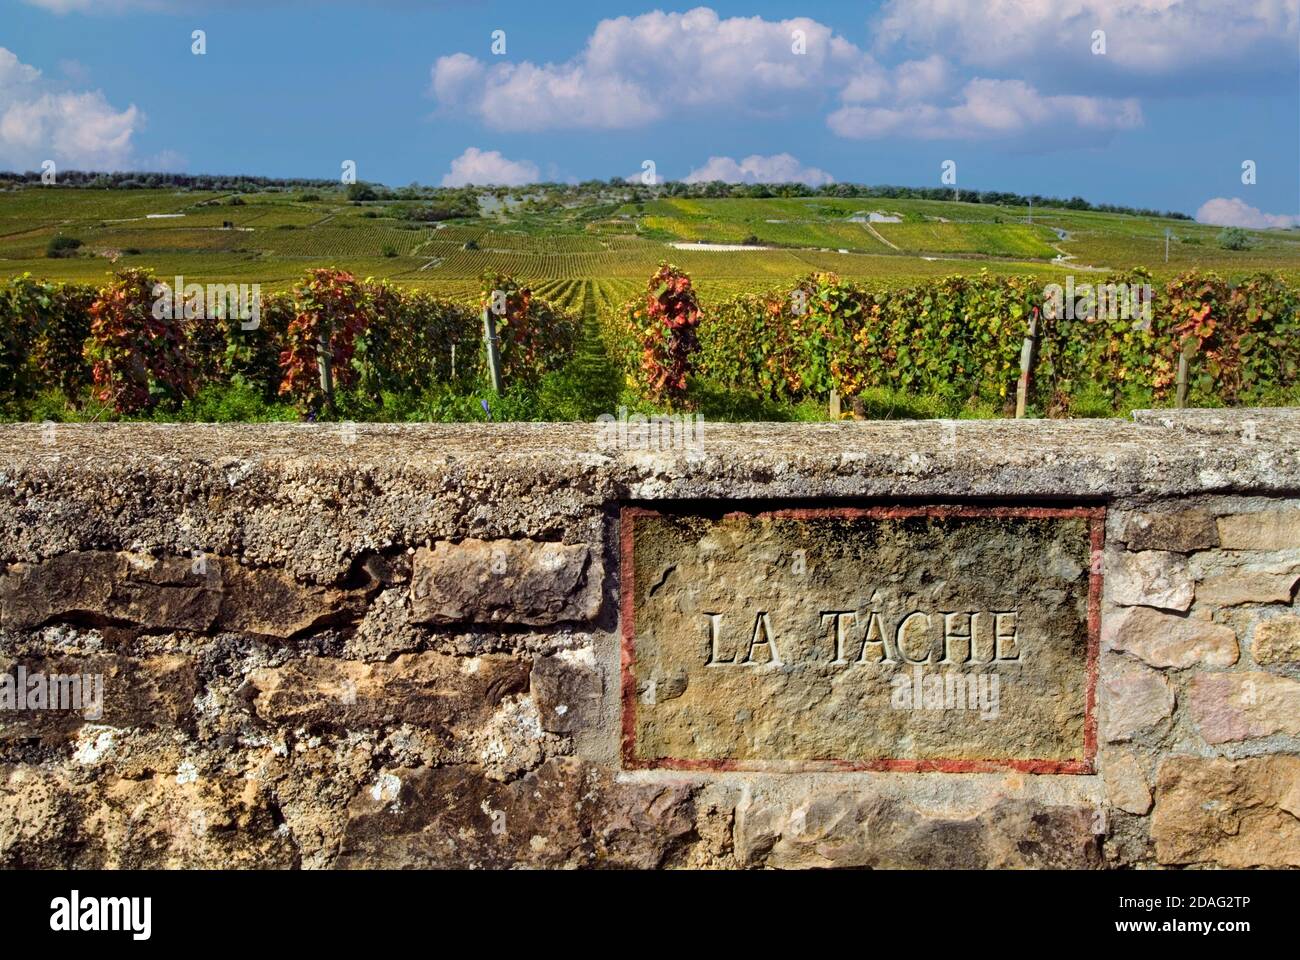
1277, 640
1182, 531
568, 688
1243, 706
106, 690
1248, 586
1126, 784
836, 827
425, 689
271, 603
1228, 813
161, 821
104, 587
1133, 698
39, 826
1265, 530
168, 593
1153, 578
566, 813
505, 581
1167, 640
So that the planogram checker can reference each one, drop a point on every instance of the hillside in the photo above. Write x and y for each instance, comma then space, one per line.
272, 237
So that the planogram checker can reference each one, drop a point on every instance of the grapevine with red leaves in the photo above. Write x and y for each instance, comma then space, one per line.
332, 311
534, 337
138, 354
666, 322
43, 328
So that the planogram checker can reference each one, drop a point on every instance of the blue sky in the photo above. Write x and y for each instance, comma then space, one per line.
1014, 91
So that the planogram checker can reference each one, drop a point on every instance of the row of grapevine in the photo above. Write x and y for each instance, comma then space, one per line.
961, 338
560, 266
611, 294
539, 242
336, 241
132, 346
653, 336
565, 294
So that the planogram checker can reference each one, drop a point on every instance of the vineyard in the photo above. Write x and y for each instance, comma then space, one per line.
959, 339
73, 350
125, 350
904, 297
272, 237
994, 239
564, 294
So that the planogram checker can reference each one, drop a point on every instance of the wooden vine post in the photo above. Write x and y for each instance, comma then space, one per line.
1182, 378
1028, 353
493, 354
325, 363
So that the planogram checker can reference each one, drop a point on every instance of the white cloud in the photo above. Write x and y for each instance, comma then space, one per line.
14, 73
454, 77
488, 167
780, 168
75, 130
867, 86
1222, 212
1143, 37
908, 82
920, 79
989, 108
636, 70
525, 97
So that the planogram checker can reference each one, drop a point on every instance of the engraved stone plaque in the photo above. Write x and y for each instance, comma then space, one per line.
914, 638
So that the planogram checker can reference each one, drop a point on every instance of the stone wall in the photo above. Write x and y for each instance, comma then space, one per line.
375, 646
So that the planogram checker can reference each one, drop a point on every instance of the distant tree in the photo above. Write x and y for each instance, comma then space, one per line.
1234, 238
553, 195
61, 246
